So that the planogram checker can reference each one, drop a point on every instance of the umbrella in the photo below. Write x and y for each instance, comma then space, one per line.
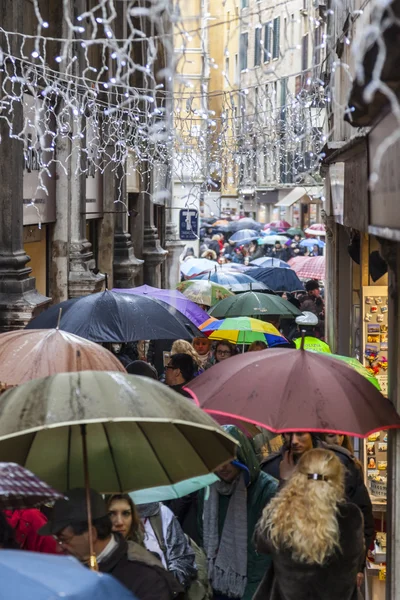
220, 223
277, 225
316, 229
287, 390
244, 330
172, 297
245, 223
234, 267
244, 235
292, 231
279, 280
226, 278
254, 286
270, 240
268, 262
355, 364
309, 267
310, 242
45, 576
195, 266
31, 353
111, 317
203, 292
253, 304
19, 488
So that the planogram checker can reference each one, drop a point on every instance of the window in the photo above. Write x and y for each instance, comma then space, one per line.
267, 41
257, 47
317, 45
244, 44
227, 67
276, 40
284, 92
292, 23
244, 3
304, 53
237, 69
256, 100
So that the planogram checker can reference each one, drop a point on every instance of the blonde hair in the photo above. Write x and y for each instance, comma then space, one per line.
302, 518
184, 347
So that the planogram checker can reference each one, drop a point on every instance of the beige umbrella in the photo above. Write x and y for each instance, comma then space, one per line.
32, 353
127, 432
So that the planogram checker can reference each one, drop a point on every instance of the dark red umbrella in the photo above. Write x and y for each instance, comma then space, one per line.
278, 225
294, 390
19, 488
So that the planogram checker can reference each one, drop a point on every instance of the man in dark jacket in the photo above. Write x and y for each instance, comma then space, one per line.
281, 465
179, 371
132, 565
228, 519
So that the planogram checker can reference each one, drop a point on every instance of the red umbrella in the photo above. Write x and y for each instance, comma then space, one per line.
316, 229
278, 225
308, 267
286, 390
19, 488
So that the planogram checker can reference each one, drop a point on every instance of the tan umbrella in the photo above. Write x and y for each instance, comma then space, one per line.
127, 432
32, 353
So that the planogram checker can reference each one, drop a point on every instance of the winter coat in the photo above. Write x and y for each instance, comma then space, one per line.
290, 579
26, 523
355, 489
186, 510
141, 572
164, 536
260, 489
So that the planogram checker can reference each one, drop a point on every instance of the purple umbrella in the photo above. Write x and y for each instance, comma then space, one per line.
172, 297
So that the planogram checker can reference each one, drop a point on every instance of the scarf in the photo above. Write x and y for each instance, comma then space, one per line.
204, 359
227, 557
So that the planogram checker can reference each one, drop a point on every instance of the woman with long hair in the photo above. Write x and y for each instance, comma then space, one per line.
314, 536
125, 518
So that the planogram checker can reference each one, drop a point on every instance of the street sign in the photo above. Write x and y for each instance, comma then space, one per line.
188, 224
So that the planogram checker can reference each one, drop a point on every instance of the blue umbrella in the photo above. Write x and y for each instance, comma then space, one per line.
45, 576
310, 242
171, 492
227, 277
244, 235
279, 280
195, 266
268, 262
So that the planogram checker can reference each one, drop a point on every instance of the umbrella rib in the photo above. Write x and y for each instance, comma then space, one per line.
112, 457
156, 454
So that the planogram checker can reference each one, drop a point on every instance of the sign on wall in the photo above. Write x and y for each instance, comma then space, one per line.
188, 224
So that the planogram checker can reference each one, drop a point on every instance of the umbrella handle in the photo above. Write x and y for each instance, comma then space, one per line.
303, 337
59, 318
92, 560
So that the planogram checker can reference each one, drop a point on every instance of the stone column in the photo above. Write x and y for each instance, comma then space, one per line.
19, 299
153, 254
174, 247
126, 265
105, 255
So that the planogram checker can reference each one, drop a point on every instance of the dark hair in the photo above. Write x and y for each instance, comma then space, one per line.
231, 347
7, 534
140, 367
257, 345
186, 365
136, 532
103, 527
311, 285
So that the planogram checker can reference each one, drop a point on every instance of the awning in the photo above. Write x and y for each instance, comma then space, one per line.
310, 196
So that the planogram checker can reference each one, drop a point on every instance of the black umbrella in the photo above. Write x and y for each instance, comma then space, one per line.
246, 223
114, 317
279, 280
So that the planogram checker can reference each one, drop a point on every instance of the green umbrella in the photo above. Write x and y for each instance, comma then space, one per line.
138, 433
295, 231
203, 292
253, 304
270, 240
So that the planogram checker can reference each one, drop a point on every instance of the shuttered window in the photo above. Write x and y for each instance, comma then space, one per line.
257, 47
276, 40
267, 41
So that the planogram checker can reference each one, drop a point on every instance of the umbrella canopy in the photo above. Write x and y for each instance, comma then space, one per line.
290, 390
355, 364
316, 229
245, 223
45, 576
203, 292
309, 267
267, 262
226, 278
270, 240
310, 242
32, 353
244, 235
112, 317
171, 297
292, 231
220, 223
234, 267
139, 433
244, 330
277, 225
253, 304
279, 280
195, 266
19, 488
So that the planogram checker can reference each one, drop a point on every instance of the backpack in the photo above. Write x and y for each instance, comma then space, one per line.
200, 588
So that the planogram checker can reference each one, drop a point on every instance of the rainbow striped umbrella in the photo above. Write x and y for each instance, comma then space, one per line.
244, 330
